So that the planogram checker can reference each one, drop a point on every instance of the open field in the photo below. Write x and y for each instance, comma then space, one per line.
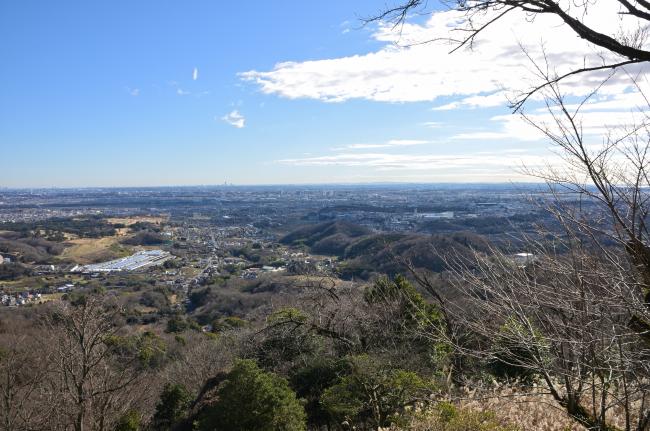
92, 250
14, 284
137, 219
128, 221
32, 282
51, 297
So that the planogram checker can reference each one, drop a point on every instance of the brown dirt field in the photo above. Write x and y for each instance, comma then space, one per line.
92, 250
10, 284
69, 236
146, 310
51, 297
128, 221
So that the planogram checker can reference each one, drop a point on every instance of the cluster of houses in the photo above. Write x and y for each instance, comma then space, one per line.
65, 288
252, 273
25, 298
18, 299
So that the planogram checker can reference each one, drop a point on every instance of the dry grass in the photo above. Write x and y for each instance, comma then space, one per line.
531, 409
128, 221
528, 410
90, 250
506, 408
445, 416
47, 297
314, 280
145, 310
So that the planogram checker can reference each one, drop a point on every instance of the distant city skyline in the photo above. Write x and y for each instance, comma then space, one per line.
302, 186
148, 94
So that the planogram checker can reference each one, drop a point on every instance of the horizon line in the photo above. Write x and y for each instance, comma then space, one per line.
334, 184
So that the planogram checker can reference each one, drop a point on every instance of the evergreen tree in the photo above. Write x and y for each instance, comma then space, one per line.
252, 399
172, 407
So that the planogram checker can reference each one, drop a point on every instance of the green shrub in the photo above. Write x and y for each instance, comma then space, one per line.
252, 399
375, 394
130, 421
514, 348
311, 380
172, 407
176, 324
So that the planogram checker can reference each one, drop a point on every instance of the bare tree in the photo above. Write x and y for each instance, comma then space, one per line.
564, 318
95, 374
23, 368
200, 358
579, 316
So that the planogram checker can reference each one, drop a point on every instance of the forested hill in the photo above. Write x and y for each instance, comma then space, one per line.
364, 252
326, 238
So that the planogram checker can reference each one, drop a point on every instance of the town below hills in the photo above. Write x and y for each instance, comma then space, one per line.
306, 287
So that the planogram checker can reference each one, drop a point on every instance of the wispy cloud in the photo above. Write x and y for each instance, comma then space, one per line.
234, 118
593, 124
630, 100
498, 98
345, 27
133, 91
388, 144
182, 92
195, 74
386, 162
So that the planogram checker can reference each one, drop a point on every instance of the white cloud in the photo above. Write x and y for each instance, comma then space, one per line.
405, 71
195, 74
390, 162
486, 76
134, 92
345, 26
480, 101
406, 142
234, 118
388, 144
182, 92
592, 123
363, 146
630, 100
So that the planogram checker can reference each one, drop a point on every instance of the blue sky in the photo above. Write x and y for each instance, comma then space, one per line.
182, 93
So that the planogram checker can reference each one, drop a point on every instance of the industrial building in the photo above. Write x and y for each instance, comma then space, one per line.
139, 260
